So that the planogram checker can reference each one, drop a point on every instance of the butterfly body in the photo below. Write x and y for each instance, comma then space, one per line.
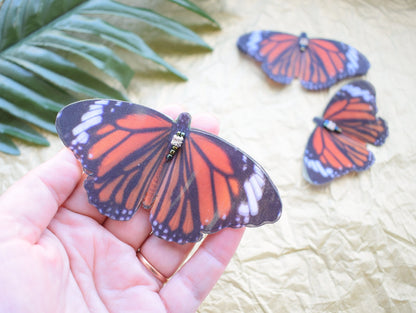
328, 124
303, 42
318, 63
183, 124
337, 145
192, 182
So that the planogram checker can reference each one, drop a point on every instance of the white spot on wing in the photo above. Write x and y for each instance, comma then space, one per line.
356, 91
353, 57
102, 102
317, 167
256, 187
80, 139
85, 125
259, 176
89, 119
243, 209
91, 114
251, 198
253, 42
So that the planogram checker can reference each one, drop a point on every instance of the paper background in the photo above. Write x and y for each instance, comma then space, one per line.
345, 247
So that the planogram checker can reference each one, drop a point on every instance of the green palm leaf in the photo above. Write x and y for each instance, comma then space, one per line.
192, 7
42, 43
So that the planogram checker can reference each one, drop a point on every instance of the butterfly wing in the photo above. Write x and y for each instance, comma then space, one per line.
327, 61
353, 108
330, 154
211, 185
120, 147
278, 52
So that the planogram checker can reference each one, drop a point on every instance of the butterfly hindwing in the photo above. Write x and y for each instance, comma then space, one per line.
318, 63
119, 145
330, 154
210, 186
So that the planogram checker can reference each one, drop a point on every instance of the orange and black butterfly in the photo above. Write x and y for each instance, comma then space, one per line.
318, 63
337, 146
192, 182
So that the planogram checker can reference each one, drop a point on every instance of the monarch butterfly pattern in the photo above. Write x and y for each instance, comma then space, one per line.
337, 146
192, 182
318, 63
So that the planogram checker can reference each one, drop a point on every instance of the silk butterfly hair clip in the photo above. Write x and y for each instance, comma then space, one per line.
318, 63
191, 181
337, 145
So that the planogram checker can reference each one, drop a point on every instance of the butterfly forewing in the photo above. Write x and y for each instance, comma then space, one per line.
119, 145
353, 108
276, 51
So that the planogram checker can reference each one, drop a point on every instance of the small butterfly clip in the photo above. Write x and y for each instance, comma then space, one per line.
192, 182
318, 63
337, 146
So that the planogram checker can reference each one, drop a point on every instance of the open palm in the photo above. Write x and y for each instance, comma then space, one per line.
58, 254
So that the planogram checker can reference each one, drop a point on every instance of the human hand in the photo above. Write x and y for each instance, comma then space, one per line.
58, 254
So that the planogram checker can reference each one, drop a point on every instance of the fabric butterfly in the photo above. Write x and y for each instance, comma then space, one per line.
318, 63
337, 146
192, 182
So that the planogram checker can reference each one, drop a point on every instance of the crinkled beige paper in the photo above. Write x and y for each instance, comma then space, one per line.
345, 247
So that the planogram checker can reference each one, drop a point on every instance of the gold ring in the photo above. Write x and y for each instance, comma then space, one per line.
151, 268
